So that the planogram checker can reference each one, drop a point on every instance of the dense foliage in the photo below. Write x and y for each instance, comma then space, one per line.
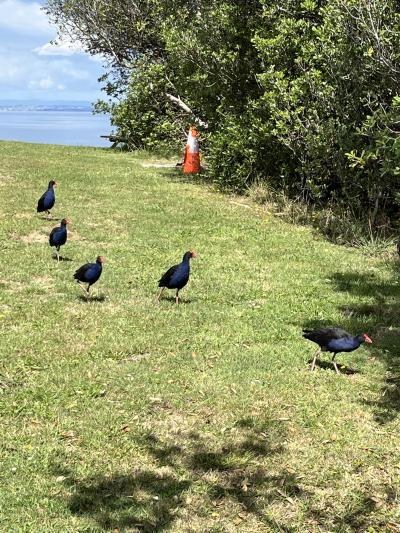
302, 95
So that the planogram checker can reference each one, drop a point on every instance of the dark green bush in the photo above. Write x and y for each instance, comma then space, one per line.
302, 94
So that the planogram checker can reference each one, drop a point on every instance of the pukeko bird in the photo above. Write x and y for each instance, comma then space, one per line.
334, 340
47, 200
58, 236
89, 273
177, 276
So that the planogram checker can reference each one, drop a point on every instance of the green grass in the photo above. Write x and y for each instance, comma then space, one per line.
120, 414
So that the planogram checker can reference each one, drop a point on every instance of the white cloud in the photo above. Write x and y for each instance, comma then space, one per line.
31, 66
22, 17
66, 69
98, 58
44, 83
11, 70
42, 74
62, 47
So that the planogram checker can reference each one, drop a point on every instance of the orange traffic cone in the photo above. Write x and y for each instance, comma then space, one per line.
191, 160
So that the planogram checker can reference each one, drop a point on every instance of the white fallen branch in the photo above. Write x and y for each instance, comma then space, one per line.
186, 108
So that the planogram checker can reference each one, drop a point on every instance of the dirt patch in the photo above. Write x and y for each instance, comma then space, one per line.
74, 236
12, 286
34, 237
43, 281
135, 358
4, 179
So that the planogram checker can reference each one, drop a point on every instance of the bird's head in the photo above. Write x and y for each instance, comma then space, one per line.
53, 183
191, 254
100, 259
65, 221
366, 338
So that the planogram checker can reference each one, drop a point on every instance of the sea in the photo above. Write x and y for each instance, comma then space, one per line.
69, 125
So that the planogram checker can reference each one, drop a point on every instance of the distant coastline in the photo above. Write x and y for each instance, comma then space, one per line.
6, 106
44, 108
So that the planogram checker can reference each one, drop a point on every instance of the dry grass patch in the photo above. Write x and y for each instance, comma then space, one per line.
35, 237
23, 216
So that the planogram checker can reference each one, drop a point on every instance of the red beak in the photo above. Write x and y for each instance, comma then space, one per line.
367, 339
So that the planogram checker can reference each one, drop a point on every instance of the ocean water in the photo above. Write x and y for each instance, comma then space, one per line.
76, 128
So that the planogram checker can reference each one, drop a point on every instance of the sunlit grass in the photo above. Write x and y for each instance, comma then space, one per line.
122, 414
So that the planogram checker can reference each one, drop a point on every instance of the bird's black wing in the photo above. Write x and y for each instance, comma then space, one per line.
80, 273
323, 335
40, 204
166, 277
51, 236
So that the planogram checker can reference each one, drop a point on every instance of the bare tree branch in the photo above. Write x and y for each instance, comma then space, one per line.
177, 100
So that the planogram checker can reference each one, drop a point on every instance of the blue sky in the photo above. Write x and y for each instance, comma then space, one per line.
33, 69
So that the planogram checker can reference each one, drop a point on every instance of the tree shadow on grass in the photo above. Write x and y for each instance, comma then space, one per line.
356, 518
232, 472
150, 499
381, 318
144, 500
364, 513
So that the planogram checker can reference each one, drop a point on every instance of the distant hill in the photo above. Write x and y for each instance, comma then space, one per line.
35, 105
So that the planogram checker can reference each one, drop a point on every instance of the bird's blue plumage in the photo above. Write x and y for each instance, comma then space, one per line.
178, 275
343, 345
334, 340
47, 200
58, 236
89, 273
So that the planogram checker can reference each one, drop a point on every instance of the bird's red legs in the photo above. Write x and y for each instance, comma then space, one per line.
58, 256
334, 364
48, 214
160, 293
315, 359
177, 297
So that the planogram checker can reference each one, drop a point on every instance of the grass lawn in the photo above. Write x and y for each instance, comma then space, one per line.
120, 414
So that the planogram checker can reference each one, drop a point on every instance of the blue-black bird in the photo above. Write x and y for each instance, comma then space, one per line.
177, 276
334, 340
89, 273
58, 236
47, 200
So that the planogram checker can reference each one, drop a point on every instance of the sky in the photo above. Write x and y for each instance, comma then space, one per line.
31, 68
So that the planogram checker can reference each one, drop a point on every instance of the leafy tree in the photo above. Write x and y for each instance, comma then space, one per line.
303, 94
